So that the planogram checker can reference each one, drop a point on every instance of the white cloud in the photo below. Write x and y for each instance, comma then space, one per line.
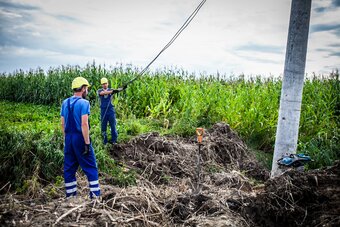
133, 31
8, 14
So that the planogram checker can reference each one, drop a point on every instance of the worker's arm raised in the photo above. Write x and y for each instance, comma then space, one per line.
112, 91
106, 92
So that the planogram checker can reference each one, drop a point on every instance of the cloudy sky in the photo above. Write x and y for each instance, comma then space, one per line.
227, 36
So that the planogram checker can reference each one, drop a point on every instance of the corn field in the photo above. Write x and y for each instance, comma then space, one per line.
175, 102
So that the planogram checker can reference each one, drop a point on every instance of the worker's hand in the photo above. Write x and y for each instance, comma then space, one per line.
86, 149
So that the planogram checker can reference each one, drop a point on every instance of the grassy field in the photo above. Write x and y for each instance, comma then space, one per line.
31, 146
170, 102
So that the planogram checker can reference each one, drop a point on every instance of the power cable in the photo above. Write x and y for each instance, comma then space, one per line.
180, 30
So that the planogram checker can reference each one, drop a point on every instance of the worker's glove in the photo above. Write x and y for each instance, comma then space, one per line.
86, 149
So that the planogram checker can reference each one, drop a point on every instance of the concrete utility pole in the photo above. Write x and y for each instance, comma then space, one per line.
292, 84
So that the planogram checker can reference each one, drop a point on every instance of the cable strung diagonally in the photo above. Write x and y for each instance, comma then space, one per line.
180, 30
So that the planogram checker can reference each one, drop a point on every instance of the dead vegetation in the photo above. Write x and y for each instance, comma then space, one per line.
231, 192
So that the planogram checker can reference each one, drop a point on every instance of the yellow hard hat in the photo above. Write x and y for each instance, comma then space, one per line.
78, 82
103, 81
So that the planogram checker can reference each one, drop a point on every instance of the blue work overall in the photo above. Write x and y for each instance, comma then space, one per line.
107, 115
73, 156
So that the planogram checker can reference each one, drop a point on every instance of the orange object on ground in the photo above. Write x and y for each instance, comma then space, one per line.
199, 132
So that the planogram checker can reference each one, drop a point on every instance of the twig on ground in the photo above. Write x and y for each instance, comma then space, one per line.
68, 212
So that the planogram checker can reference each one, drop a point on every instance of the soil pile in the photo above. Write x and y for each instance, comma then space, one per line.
299, 199
159, 158
172, 191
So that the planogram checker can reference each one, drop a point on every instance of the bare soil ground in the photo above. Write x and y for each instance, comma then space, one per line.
232, 189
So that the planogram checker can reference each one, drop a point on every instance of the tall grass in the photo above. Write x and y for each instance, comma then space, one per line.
175, 102
31, 146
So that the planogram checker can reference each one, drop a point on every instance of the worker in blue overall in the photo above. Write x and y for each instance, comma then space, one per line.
78, 149
107, 111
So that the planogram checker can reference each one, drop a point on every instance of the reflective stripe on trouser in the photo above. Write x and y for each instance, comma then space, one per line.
110, 118
73, 157
94, 188
71, 188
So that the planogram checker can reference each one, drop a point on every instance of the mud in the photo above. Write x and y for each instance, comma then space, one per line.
231, 189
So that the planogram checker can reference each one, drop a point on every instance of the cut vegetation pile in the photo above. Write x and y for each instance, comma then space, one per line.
232, 190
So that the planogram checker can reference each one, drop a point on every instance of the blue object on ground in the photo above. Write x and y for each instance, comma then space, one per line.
294, 160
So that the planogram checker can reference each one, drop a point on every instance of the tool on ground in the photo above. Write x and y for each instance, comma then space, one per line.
294, 160
199, 133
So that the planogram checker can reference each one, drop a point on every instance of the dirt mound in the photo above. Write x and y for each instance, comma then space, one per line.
160, 158
299, 199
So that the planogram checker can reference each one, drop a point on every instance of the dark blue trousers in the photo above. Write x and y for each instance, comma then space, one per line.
73, 157
109, 118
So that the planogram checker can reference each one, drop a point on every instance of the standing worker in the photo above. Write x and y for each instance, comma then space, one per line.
78, 149
107, 111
